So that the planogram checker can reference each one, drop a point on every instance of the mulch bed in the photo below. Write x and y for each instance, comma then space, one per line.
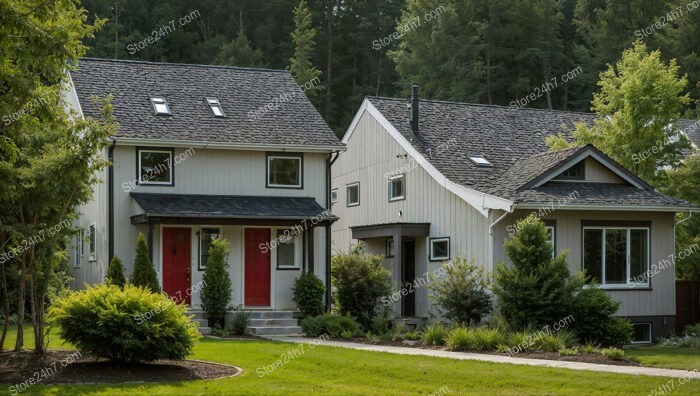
65, 367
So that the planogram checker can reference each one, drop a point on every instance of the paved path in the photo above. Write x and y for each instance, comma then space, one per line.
655, 372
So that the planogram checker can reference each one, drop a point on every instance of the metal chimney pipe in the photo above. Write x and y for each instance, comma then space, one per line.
414, 108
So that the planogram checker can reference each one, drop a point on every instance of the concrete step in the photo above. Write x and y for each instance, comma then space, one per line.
276, 330
272, 322
271, 314
205, 330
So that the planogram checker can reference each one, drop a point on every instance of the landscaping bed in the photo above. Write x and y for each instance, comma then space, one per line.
65, 367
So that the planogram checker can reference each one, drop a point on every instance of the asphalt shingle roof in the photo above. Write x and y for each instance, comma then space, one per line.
290, 118
571, 193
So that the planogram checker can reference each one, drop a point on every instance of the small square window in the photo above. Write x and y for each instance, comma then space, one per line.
397, 190
155, 167
93, 243
390, 247
284, 171
439, 249
215, 106
480, 161
352, 192
334, 195
207, 236
286, 249
642, 333
160, 106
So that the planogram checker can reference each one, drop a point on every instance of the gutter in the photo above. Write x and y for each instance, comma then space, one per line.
110, 201
613, 207
238, 146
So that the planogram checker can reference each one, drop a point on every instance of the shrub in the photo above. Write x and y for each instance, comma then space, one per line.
521, 341
536, 290
144, 275
434, 334
553, 342
613, 353
692, 330
126, 325
216, 289
308, 294
486, 339
332, 325
115, 273
569, 352
591, 347
460, 339
463, 295
241, 320
412, 335
593, 309
219, 332
360, 281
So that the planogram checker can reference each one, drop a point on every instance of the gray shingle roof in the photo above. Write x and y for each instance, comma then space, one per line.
240, 90
230, 206
691, 128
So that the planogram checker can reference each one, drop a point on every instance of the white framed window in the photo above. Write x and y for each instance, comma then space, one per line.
287, 249
616, 256
439, 249
551, 230
215, 106
284, 171
390, 247
641, 333
79, 252
480, 161
334, 195
352, 194
397, 188
206, 236
155, 166
92, 240
160, 105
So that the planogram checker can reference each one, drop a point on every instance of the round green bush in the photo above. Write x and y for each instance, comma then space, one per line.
308, 294
124, 325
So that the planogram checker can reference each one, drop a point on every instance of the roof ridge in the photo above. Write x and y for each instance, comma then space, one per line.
253, 69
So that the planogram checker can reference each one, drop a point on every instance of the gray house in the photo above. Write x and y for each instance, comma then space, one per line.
201, 152
425, 181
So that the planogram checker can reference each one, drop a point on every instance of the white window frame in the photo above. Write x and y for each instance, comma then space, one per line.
431, 243
92, 241
301, 171
171, 174
347, 194
298, 242
334, 195
214, 103
402, 177
628, 277
553, 239
160, 100
201, 267
650, 333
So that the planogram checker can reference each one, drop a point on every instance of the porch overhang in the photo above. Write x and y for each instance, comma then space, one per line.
230, 210
391, 229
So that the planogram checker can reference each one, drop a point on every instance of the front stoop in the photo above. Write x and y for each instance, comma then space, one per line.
274, 323
201, 320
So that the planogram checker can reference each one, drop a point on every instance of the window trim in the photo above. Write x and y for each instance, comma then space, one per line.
170, 151
298, 241
403, 188
582, 164
79, 248
201, 267
431, 257
216, 103
651, 336
612, 225
165, 102
347, 195
553, 227
389, 248
334, 192
92, 233
269, 156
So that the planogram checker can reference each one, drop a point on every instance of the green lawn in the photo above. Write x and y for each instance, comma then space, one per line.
665, 357
327, 370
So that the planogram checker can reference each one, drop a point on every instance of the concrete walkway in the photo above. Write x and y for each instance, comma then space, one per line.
650, 371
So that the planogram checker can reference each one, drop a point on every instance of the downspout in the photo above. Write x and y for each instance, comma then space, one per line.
690, 214
110, 201
491, 241
329, 162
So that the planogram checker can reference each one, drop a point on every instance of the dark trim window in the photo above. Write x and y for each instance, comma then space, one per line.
215, 106
642, 333
615, 255
286, 248
439, 249
352, 194
390, 247
397, 188
206, 237
576, 172
154, 166
160, 105
334, 195
92, 235
284, 171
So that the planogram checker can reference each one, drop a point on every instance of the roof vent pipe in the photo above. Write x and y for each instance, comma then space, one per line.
414, 108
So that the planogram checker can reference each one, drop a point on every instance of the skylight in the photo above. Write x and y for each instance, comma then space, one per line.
160, 105
480, 161
215, 107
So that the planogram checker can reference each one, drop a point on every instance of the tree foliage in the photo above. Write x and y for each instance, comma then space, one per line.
308, 293
115, 273
304, 46
144, 274
463, 296
216, 289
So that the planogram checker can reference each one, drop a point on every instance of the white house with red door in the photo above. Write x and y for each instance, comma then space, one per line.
204, 152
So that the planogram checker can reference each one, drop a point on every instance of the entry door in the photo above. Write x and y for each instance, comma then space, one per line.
257, 267
408, 271
176, 263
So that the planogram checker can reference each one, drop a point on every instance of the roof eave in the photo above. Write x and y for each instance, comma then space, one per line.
633, 208
228, 146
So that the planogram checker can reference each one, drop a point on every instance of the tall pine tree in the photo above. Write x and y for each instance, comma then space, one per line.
303, 36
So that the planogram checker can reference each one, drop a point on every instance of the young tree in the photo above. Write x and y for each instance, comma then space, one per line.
639, 103
304, 47
536, 290
115, 273
216, 292
463, 295
144, 275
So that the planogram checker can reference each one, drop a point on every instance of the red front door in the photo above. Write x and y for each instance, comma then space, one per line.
257, 267
176, 264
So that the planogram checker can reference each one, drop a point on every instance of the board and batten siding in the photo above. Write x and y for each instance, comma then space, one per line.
371, 154
657, 301
597, 172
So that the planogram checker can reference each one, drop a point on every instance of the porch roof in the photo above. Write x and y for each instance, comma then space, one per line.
391, 229
230, 209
